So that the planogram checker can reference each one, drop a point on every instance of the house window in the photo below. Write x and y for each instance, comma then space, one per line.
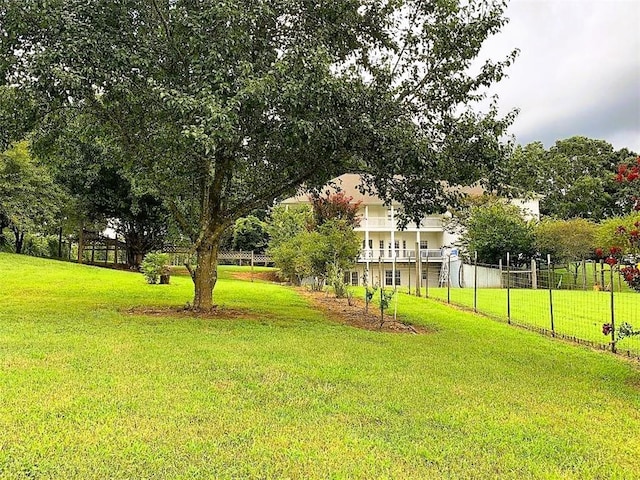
404, 248
354, 279
345, 278
423, 248
397, 247
370, 244
382, 248
390, 251
388, 277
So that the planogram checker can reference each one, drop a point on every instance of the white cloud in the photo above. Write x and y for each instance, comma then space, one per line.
578, 72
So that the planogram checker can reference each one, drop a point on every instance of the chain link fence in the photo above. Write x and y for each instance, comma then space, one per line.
586, 302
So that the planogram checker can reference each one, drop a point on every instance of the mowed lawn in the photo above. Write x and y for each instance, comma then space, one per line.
576, 312
89, 390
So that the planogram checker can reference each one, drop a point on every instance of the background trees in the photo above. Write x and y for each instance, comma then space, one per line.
250, 234
86, 162
573, 176
29, 199
220, 108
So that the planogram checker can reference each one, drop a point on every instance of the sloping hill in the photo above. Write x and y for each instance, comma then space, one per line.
89, 389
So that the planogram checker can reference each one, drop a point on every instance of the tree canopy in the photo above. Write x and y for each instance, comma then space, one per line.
574, 177
223, 107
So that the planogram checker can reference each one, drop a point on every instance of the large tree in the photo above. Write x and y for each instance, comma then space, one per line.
223, 107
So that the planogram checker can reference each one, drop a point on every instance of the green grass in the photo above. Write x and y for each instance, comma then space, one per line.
90, 391
575, 312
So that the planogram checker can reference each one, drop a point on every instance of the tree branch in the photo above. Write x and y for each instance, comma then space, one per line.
182, 220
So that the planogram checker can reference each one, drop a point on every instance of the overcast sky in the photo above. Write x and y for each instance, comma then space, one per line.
578, 72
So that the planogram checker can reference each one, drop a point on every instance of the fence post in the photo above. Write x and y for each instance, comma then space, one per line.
613, 318
252, 259
475, 282
602, 274
534, 274
380, 271
508, 288
449, 279
584, 274
550, 274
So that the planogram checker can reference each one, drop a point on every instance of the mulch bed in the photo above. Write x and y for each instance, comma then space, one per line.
339, 310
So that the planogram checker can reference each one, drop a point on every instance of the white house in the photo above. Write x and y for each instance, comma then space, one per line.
388, 254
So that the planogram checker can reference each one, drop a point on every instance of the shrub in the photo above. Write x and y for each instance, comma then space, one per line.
154, 265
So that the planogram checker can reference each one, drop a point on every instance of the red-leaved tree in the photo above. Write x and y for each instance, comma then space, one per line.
335, 206
628, 173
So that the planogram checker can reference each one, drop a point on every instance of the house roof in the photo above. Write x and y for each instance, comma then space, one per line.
348, 183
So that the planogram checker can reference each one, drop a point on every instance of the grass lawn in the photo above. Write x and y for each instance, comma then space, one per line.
576, 312
89, 390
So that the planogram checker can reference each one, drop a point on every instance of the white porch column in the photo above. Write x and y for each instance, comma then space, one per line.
367, 250
393, 248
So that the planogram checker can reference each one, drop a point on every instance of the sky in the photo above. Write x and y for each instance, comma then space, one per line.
578, 71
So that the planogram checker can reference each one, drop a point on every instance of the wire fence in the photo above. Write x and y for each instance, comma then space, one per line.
586, 302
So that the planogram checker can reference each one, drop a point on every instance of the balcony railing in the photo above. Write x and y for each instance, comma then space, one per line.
430, 254
385, 222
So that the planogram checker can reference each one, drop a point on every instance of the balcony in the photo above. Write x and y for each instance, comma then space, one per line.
385, 223
404, 256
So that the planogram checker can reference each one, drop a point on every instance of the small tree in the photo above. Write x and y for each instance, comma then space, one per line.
497, 228
286, 222
613, 233
306, 242
335, 206
155, 266
567, 241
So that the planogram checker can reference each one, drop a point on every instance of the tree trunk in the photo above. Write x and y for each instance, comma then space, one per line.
137, 246
205, 275
80, 243
3, 238
19, 237
60, 242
